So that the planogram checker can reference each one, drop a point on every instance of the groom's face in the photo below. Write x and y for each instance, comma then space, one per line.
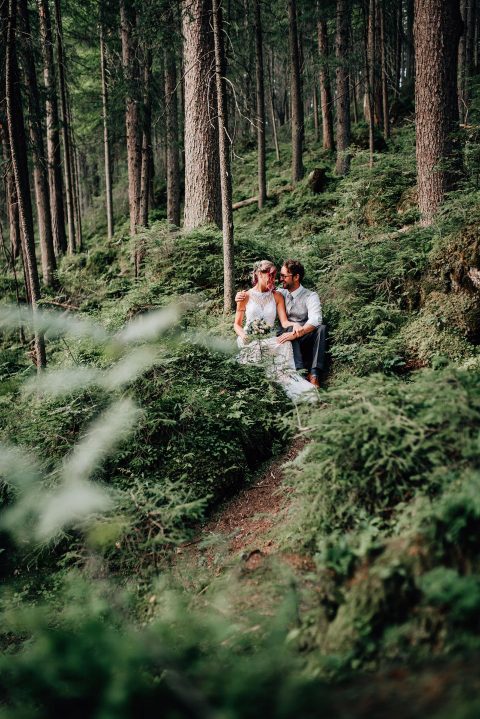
289, 282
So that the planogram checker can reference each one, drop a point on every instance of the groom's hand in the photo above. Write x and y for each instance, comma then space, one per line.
240, 296
286, 337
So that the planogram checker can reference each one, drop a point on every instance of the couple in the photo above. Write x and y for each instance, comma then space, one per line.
299, 344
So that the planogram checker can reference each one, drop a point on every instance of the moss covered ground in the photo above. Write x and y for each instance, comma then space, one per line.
383, 499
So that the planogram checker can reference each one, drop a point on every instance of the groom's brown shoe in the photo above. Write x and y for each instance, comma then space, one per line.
313, 379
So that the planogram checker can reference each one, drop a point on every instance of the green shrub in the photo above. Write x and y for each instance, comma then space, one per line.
457, 596
88, 660
379, 441
207, 423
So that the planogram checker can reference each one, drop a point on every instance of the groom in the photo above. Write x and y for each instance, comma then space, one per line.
307, 333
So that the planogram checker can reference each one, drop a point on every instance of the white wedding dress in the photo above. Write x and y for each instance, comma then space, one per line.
277, 358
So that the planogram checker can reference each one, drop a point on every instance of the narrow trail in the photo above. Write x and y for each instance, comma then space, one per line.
242, 531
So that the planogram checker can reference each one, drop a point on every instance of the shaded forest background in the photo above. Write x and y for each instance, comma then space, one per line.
151, 152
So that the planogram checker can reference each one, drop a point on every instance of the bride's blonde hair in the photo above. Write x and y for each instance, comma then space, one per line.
264, 266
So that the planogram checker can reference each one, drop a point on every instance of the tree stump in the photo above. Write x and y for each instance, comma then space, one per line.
317, 180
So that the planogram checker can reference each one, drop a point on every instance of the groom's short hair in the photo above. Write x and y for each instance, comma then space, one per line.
295, 267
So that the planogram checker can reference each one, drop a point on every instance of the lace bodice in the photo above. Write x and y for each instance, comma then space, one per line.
261, 306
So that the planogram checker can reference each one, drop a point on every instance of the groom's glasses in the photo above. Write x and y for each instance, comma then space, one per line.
282, 277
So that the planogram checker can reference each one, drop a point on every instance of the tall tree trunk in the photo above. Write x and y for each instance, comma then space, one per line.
398, 47
10, 191
296, 95
383, 65
370, 76
225, 173
67, 150
16, 131
462, 52
146, 140
132, 120
343, 96
470, 30
76, 180
106, 138
40, 177
202, 186
409, 44
437, 30
262, 170
55, 180
353, 95
325, 91
316, 124
172, 134
272, 108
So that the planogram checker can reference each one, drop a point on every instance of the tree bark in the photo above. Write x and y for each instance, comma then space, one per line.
262, 170
172, 134
202, 186
316, 124
10, 191
343, 96
325, 90
106, 138
272, 109
55, 180
437, 30
409, 44
16, 131
40, 177
76, 179
296, 95
383, 65
225, 173
370, 77
398, 47
132, 117
67, 150
462, 53
146, 140
470, 43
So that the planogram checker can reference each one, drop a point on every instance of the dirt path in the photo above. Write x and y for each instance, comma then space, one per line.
242, 525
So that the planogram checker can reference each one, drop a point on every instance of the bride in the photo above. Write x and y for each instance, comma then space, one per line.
260, 309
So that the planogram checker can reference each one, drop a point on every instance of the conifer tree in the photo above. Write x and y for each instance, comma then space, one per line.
437, 31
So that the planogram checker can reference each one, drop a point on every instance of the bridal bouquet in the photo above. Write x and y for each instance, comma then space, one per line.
258, 329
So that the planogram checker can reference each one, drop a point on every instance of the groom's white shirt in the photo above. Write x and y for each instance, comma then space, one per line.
307, 308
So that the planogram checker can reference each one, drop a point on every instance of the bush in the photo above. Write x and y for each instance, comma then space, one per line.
207, 423
379, 441
88, 660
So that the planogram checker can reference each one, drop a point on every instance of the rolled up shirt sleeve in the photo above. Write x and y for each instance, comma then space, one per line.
314, 310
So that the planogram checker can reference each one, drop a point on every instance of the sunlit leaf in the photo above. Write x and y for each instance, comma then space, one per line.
74, 501
211, 342
151, 325
130, 367
64, 381
17, 467
104, 434
53, 323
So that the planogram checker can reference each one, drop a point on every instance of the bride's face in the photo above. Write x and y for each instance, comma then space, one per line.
266, 279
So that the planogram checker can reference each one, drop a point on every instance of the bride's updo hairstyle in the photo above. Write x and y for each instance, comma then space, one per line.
264, 266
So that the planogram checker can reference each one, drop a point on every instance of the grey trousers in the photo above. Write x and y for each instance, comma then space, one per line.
309, 350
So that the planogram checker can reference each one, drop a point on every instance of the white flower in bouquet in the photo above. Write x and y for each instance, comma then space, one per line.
258, 329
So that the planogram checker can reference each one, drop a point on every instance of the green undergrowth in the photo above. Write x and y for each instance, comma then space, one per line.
385, 495
197, 441
386, 501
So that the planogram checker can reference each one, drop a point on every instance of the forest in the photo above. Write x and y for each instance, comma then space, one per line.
177, 537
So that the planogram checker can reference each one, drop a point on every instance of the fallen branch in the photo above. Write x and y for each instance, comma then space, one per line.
244, 203
253, 200
63, 305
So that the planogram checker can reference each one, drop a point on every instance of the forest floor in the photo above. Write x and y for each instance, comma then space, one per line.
239, 548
